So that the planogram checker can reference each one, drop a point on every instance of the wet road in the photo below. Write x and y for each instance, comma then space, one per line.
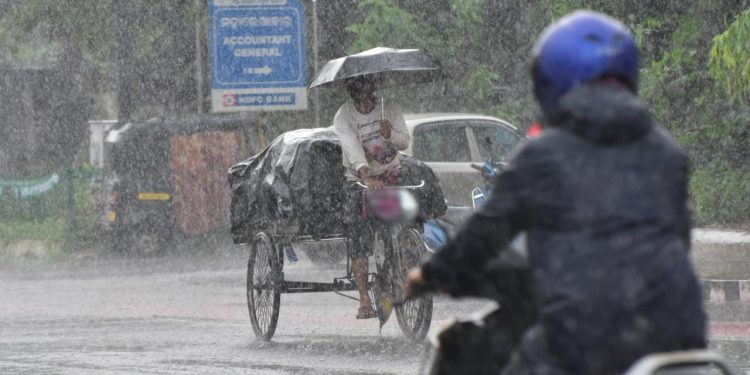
186, 314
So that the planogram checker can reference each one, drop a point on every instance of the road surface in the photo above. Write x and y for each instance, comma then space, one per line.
186, 314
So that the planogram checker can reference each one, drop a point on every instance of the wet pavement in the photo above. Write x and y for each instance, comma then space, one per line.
186, 314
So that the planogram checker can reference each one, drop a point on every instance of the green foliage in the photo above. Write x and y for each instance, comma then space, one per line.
47, 230
722, 143
48, 217
461, 36
83, 41
388, 25
468, 29
720, 196
468, 12
676, 81
51, 24
479, 84
684, 97
729, 61
482, 97
484, 46
557, 8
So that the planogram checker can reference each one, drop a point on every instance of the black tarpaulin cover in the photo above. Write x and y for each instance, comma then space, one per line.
295, 186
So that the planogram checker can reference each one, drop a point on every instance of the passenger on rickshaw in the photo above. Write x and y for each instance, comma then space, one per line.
371, 135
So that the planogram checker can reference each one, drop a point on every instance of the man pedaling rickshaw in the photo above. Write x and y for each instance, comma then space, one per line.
371, 133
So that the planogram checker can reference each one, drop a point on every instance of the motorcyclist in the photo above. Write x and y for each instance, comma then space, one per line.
602, 195
371, 135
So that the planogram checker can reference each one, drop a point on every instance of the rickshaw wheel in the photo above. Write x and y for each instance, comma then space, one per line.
264, 281
415, 315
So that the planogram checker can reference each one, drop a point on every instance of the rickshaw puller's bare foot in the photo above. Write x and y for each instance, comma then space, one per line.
366, 312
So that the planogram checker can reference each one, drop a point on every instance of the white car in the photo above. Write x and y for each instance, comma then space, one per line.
450, 142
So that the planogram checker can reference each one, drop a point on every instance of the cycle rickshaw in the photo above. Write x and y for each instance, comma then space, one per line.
292, 192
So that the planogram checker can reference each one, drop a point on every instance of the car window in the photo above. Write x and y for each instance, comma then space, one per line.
502, 139
441, 143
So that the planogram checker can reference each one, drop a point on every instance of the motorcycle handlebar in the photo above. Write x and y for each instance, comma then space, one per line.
416, 292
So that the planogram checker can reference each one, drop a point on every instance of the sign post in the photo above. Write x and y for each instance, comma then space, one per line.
258, 60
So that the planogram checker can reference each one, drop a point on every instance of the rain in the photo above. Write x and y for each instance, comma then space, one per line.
185, 188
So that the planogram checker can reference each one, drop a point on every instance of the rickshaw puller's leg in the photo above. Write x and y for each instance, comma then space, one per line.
359, 268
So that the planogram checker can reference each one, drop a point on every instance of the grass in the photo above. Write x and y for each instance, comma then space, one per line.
48, 230
46, 217
720, 196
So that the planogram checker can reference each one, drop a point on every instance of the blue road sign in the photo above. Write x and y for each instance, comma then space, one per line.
258, 55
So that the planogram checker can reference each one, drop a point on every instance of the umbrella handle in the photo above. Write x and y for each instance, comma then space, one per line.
382, 109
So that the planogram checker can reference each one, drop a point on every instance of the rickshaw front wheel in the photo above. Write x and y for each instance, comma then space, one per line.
414, 315
264, 280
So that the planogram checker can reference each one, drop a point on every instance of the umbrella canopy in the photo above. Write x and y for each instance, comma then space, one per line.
391, 67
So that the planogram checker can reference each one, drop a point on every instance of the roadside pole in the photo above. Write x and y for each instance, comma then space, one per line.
70, 201
316, 94
124, 60
199, 56
261, 131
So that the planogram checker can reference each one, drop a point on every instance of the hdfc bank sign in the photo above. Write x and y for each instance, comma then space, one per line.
230, 100
258, 60
259, 99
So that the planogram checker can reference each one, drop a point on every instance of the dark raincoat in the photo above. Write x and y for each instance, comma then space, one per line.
602, 195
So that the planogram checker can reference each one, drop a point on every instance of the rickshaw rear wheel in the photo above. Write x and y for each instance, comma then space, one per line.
264, 280
415, 315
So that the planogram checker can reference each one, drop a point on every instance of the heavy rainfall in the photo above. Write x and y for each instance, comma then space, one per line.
374, 186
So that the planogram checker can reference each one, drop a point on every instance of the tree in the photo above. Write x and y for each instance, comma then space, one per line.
47, 125
729, 61
466, 37
44, 31
78, 45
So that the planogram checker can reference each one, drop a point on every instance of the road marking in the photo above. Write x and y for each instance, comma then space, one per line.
730, 330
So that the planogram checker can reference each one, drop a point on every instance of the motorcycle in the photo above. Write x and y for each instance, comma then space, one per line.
438, 231
687, 362
483, 343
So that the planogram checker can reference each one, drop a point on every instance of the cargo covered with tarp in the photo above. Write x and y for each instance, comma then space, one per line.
295, 186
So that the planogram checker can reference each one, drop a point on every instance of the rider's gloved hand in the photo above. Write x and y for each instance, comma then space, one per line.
415, 284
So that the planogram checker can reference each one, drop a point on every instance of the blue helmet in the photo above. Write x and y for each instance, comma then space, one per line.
582, 47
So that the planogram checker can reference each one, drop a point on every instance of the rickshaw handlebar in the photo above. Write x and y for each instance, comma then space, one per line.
408, 187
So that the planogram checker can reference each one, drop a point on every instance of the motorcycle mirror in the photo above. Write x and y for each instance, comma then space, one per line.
393, 205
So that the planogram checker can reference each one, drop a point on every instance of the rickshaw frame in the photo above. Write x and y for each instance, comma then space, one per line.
266, 282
